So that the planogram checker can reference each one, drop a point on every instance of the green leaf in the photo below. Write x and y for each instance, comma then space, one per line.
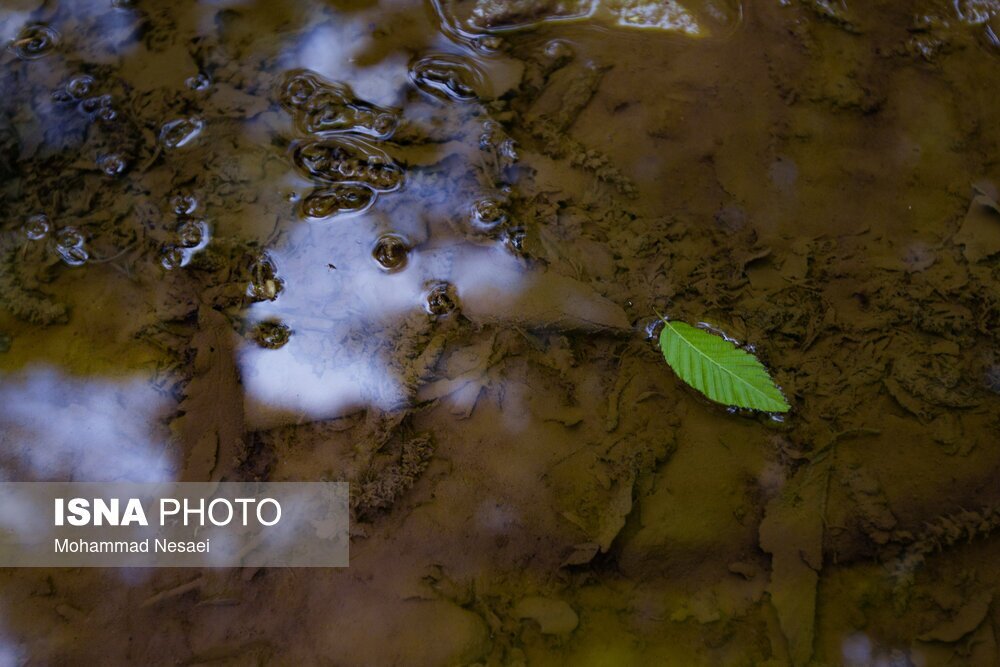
719, 369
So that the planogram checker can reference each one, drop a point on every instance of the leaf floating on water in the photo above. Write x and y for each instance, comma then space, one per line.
719, 369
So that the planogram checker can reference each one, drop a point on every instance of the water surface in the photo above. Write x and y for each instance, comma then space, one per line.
421, 247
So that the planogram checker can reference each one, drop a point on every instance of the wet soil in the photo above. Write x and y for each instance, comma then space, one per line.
420, 247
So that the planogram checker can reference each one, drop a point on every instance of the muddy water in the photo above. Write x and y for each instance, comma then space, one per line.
420, 247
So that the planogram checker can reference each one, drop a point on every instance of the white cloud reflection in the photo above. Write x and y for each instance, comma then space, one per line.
54, 426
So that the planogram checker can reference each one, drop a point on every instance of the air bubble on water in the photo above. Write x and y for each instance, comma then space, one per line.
488, 213
34, 41
69, 237
180, 132
80, 86
297, 88
264, 285
271, 335
390, 252
192, 234
514, 239
384, 124
37, 226
337, 200
183, 203
112, 164
199, 81
70, 246
440, 298
448, 77
172, 257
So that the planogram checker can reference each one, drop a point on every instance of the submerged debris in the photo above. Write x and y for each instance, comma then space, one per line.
941, 534
383, 488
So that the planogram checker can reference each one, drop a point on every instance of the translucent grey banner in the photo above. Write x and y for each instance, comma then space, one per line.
182, 524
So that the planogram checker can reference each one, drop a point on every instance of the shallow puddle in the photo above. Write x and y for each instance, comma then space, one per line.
424, 247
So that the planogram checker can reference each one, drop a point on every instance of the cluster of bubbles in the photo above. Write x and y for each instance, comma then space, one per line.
496, 143
487, 221
348, 160
190, 234
70, 246
79, 90
353, 172
319, 106
456, 79
34, 41
489, 215
180, 132
448, 77
69, 243
475, 21
338, 199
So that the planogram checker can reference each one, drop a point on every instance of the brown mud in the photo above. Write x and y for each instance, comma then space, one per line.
420, 247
